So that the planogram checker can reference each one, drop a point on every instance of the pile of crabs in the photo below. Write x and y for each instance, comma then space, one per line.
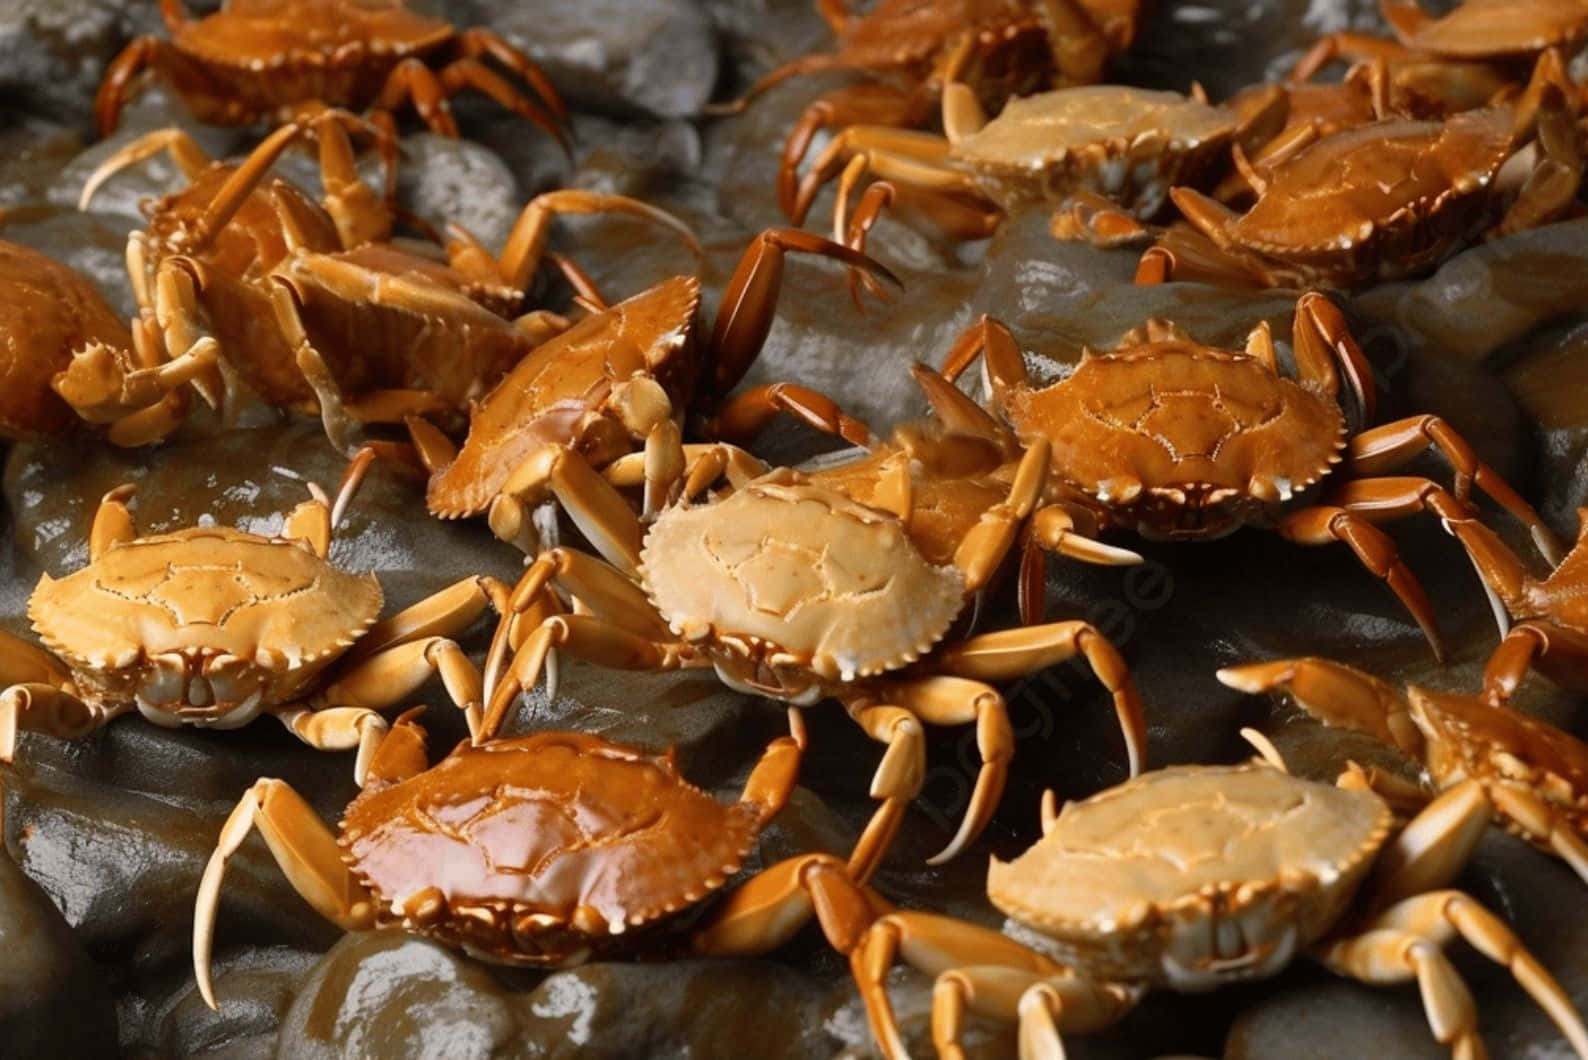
873, 495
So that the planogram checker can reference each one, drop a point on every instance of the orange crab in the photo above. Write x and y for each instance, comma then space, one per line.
262, 268
1180, 440
275, 60
1462, 59
910, 48
1391, 198
542, 850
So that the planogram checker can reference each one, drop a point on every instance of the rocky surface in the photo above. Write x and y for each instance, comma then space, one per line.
113, 830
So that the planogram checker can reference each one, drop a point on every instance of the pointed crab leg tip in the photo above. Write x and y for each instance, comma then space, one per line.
1253, 677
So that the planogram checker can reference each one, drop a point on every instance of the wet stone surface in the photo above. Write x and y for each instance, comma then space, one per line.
113, 829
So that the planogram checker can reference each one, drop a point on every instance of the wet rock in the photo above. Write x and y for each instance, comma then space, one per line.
54, 1000
52, 55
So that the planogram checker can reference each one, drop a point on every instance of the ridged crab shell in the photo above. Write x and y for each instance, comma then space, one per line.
1193, 875
802, 576
203, 625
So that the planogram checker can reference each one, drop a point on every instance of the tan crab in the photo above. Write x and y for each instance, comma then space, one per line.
1489, 760
801, 586
1184, 878
1395, 197
542, 850
1103, 156
51, 315
1179, 440
910, 48
291, 290
1550, 613
211, 626
604, 385
1463, 58
276, 60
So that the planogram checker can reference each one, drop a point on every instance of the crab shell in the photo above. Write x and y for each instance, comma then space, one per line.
1480, 29
1126, 144
573, 389
1467, 737
47, 311
203, 626
265, 52
1214, 438
544, 848
1194, 876
786, 584
1386, 199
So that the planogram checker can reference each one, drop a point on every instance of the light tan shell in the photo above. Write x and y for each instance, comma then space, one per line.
803, 570
1118, 141
1123, 878
205, 590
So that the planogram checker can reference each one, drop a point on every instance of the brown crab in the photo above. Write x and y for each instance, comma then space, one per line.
1394, 197
1462, 59
1482, 758
276, 60
604, 385
542, 850
910, 48
1185, 878
212, 626
49, 315
1179, 440
1550, 614
1103, 155
802, 586
261, 267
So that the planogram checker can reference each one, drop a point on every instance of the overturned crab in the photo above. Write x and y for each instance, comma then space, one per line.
291, 290
211, 626
1185, 878
1394, 197
1480, 759
801, 586
1103, 156
1178, 440
51, 316
542, 850
277, 60
603, 386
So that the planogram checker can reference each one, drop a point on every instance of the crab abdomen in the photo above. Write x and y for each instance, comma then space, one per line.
525, 849
802, 574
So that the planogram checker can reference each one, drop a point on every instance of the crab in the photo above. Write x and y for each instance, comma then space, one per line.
1103, 155
803, 586
542, 850
1178, 440
1479, 755
1463, 59
276, 60
1185, 878
910, 48
229, 242
49, 315
604, 385
212, 626
1393, 198
1550, 614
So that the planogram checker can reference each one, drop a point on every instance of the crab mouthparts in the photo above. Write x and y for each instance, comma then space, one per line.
199, 686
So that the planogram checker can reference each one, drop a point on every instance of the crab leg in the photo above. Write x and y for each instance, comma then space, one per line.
478, 41
897, 780
412, 81
1335, 695
48, 708
914, 158
309, 858
1375, 550
443, 613
119, 85
1394, 444
526, 243
748, 413
947, 700
1012, 653
388, 676
1521, 647
1405, 940
338, 729
768, 909
189, 157
868, 103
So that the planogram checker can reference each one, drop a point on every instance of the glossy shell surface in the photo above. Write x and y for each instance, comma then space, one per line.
543, 826
1136, 873
289, 32
804, 570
